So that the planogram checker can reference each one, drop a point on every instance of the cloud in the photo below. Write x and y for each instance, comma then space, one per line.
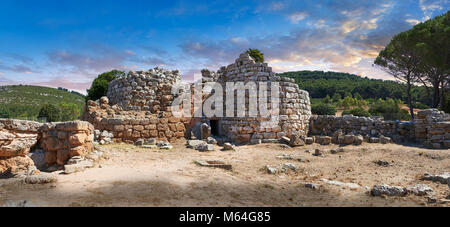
296, 17
428, 7
18, 68
412, 21
90, 60
348, 40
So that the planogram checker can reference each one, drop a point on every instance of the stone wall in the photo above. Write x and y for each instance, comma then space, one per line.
144, 90
432, 127
129, 126
61, 141
17, 139
349, 124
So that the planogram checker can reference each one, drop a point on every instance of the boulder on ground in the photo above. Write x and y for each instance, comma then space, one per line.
358, 140
194, 143
296, 141
41, 178
211, 140
309, 140
441, 178
349, 139
385, 140
205, 131
204, 147
379, 190
228, 147
420, 190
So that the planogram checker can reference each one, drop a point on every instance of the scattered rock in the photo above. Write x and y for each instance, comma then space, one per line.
289, 166
139, 142
358, 140
164, 145
205, 131
285, 156
228, 147
211, 140
41, 178
341, 184
194, 143
379, 190
309, 140
311, 186
204, 147
318, 152
77, 164
382, 163
285, 140
271, 170
296, 141
385, 140
420, 190
442, 178
214, 164
431, 199
374, 140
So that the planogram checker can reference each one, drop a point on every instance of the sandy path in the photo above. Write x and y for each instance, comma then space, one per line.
131, 176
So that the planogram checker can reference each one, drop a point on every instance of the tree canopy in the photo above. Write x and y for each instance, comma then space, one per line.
99, 86
256, 54
421, 55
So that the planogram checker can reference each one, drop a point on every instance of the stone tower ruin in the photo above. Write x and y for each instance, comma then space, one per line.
138, 106
294, 104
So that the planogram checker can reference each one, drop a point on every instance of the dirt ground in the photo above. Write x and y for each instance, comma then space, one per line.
132, 176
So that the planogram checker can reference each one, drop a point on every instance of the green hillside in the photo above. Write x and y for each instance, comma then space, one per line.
319, 84
24, 102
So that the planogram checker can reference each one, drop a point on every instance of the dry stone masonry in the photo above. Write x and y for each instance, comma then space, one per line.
61, 141
294, 103
130, 126
147, 91
26, 145
17, 138
432, 127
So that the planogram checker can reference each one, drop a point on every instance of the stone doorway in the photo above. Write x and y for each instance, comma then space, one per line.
215, 127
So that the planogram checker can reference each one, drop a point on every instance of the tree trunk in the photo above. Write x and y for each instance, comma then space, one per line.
411, 110
436, 94
442, 99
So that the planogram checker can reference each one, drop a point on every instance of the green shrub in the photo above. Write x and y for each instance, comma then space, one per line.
360, 112
323, 109
99, 86
256, 54
4, 113
389, 109
50, 113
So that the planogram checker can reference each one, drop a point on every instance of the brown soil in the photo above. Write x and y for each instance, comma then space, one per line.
131, 176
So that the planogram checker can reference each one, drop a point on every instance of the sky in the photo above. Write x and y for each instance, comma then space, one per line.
68, 43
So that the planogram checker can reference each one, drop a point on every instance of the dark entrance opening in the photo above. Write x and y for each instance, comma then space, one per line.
214, 127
